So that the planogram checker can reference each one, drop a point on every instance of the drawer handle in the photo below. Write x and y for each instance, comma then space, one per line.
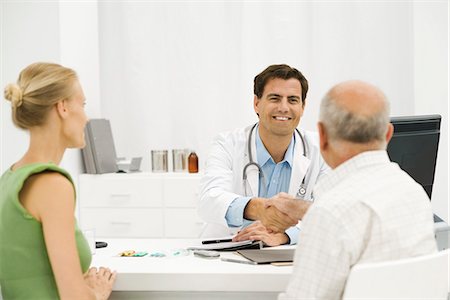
120, 223
120, 197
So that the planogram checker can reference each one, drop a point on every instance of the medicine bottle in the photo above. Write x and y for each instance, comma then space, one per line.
193, 163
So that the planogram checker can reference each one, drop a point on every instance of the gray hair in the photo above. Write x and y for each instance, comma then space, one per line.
342, 124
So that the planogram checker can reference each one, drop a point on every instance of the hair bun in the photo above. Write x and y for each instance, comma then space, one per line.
14, 94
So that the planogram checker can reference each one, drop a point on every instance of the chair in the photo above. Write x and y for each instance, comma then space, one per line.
422, 277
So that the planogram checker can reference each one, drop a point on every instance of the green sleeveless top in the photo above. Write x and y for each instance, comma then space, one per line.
25, 270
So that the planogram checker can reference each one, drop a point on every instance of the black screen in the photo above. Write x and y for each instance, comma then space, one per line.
414, 147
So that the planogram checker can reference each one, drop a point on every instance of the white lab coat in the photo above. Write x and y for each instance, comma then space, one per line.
222, 181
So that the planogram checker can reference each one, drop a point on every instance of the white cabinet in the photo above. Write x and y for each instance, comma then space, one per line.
140, 205
123, 222
182, 223
120, 190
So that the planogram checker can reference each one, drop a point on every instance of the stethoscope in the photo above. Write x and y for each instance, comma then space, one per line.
301, 190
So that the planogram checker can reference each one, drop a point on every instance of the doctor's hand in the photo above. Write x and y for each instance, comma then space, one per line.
294, 208
258, 232
273, 219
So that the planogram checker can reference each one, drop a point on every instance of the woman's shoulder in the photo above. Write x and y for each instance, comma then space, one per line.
49, 179
51, 171
46, 190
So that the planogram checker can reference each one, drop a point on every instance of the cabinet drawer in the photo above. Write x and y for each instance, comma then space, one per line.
181, 192
182, 223
96, 191
123, 222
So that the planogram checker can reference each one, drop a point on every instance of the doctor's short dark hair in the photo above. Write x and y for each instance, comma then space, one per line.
279, 71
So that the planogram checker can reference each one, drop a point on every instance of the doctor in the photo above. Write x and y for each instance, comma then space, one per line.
247, 166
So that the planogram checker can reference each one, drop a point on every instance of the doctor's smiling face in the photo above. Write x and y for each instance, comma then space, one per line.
280, 107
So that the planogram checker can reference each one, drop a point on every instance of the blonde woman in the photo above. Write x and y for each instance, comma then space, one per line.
43, 254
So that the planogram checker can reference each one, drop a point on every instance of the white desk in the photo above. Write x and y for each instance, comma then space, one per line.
186, 277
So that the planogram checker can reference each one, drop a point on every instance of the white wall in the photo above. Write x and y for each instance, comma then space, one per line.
58, 31
29, 33
173, 75
178, 73
79, 50
431, 78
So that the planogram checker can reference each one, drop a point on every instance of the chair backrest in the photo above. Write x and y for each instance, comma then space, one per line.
422, 277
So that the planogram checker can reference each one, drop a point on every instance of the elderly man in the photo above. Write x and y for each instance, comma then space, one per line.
366, 209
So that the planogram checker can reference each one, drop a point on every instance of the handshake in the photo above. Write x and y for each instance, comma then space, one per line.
277, 213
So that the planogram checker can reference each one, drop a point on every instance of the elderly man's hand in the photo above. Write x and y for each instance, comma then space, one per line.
285, 203
273, 219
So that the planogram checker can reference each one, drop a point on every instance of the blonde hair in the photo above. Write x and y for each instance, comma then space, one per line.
39, 87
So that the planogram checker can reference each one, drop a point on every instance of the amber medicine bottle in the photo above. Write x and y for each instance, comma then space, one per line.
193, 163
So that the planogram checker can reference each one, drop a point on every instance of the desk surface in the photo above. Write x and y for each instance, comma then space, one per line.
183, 271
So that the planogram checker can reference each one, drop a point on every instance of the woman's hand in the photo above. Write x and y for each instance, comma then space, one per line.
100, 281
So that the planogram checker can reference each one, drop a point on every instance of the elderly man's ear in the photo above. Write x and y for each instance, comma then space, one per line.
323, 136
389, 132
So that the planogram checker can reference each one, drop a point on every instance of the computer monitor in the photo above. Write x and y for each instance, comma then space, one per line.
414, 147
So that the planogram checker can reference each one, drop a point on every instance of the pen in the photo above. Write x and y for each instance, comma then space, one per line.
216, 241
248, 262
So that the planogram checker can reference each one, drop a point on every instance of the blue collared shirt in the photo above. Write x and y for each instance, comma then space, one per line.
277, 177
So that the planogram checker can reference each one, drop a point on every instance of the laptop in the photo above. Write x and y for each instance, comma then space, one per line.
269, 256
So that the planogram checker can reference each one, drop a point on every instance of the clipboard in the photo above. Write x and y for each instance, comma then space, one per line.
229, 246
269, 256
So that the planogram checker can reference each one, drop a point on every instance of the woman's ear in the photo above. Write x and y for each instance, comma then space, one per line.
61, 108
